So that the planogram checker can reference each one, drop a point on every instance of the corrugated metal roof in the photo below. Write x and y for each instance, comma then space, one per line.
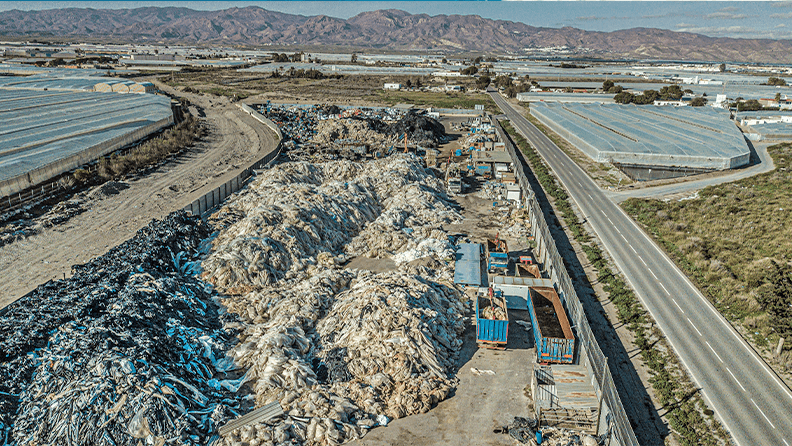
467, 269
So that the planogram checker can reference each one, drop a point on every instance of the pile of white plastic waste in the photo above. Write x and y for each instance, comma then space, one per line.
341, 350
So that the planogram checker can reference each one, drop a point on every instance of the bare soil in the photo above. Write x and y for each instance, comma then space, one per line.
235, 140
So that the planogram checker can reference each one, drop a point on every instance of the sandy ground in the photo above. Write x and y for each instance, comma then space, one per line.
234, 141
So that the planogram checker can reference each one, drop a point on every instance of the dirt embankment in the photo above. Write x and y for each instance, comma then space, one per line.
234, 141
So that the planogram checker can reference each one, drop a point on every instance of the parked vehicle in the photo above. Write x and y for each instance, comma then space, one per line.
552, 333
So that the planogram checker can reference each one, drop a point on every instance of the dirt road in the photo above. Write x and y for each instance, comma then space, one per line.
234, 141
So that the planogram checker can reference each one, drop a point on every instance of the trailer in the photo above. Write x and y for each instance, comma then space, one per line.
552, 333
527, 270
492, 320
497, 254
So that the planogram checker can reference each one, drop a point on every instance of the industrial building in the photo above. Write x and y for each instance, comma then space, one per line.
649, 142
48, 132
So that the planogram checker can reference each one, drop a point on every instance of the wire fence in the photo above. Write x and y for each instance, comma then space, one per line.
590, 354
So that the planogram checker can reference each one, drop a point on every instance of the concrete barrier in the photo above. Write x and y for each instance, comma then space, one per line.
590, 355
207, 202
259, 117
37, 176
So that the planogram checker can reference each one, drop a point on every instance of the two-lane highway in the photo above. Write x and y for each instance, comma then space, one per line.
748, 397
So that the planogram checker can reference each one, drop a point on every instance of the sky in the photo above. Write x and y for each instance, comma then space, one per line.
740, 19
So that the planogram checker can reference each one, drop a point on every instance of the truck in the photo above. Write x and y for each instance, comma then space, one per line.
555, 342
454, 178
497, 254
492, 319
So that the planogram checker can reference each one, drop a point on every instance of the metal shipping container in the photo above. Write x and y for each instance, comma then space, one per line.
491, 331
552, 333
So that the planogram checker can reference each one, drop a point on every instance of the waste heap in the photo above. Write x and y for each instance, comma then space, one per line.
127, 351
341, 350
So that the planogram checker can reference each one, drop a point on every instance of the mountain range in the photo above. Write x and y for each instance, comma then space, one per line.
383, 29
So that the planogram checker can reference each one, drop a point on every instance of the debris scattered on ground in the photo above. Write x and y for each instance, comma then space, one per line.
318, 134
341, 350
479, 372
60, 213
524, 431
129, 350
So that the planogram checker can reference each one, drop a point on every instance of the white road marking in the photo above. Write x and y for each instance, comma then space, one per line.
617, 230
763, 414
735, 378
680, 308
578, 182
642, 261
694, 327
625, 239
610, 221
693, 288
664, 289
713, 351
589, 196
784, 440
633, 249
603, 213
653, 274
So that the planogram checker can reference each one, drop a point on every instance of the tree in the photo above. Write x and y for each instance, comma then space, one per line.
444, 60
722, 67
354, 57
698, 102
470, 71
749, 105
778, 98
607, 85
482, 82
408, 84
776, 81
624, 98
671, 92
503, 81
477, 60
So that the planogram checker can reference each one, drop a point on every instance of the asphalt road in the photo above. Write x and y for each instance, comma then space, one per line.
751, 401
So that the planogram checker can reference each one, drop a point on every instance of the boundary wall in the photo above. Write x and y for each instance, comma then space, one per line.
214, 197
37, 176
612, 414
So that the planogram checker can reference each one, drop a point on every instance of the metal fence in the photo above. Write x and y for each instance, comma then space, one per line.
590, 354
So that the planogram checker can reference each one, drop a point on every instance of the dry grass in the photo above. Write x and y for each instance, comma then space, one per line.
735, 242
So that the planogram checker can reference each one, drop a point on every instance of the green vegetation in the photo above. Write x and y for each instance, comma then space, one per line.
776, 81
152, 151
434, 99
698, 102
668, 93
469, 71
749, 105
609, 87
672, 386
735, 242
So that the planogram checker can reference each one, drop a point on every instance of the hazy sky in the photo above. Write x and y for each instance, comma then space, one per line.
729, 18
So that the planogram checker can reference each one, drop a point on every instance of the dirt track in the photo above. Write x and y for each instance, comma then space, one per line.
234, 141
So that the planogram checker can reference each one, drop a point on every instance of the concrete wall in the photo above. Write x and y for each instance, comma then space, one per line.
259, 117
21, 182
589, 353
204, 204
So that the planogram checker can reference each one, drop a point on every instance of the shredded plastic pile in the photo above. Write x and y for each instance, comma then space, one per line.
341, 350
127, 351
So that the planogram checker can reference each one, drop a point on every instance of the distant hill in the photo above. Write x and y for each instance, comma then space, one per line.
383, 29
